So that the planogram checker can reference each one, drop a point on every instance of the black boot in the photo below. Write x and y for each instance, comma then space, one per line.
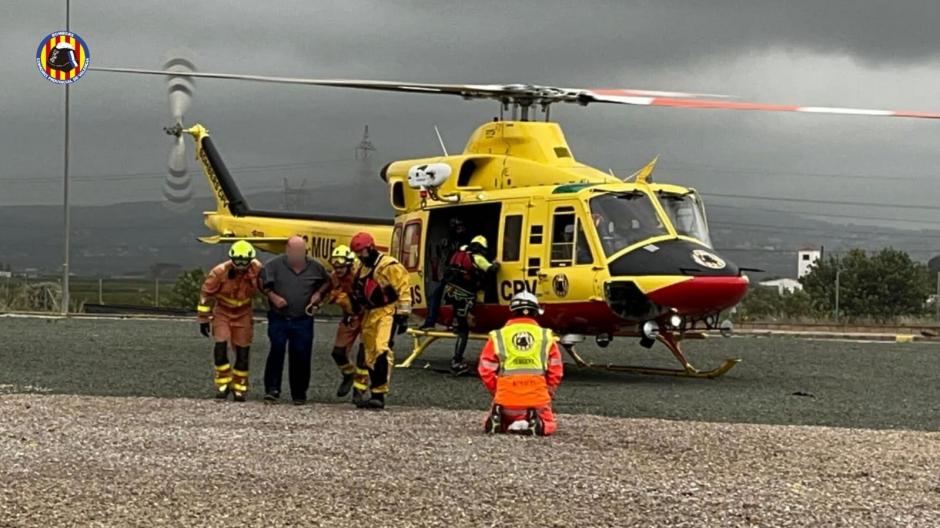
345, 386
457, 365
223, 370
494, 423
341, 358
536, 427
376, 402
359, 398
240, 374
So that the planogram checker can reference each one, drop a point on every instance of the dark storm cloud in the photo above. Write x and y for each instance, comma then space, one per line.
824, 52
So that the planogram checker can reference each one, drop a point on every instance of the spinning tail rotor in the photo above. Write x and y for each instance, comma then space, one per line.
177, 188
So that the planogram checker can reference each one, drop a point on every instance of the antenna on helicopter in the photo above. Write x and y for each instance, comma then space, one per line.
440, 140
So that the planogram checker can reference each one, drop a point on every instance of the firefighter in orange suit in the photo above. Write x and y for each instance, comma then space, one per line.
231, 284
521, 367
345, 266
381, 289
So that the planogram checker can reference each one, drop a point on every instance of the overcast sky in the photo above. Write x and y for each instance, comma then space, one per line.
834, 52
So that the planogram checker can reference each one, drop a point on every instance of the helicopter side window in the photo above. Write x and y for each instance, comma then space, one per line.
411, 245
582, 248
623, 219
687, 215
395, 249
512, 238
563, 226
398, 195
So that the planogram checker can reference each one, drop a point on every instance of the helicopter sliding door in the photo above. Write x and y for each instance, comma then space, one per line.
569, 273
516, 273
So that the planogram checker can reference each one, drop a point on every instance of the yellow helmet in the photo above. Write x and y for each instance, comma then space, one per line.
342, 256
241, 253
479, 240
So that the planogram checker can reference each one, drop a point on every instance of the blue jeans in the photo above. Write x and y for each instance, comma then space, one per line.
295, 337
434, 303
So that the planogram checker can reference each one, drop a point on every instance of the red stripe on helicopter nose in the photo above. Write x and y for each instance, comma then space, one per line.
701, 295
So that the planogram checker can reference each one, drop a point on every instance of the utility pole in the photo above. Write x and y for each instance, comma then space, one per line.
838, 273
66, 213
365, 146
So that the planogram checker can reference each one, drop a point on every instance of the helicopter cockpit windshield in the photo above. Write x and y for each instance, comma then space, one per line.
686, 214
623, 219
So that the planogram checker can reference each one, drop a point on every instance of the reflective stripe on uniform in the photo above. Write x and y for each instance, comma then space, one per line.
223, 375
361, 379
490, 364
240, 380
202, 308
234, 303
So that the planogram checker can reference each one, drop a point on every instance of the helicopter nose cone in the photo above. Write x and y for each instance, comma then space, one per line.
679, 275
701, 295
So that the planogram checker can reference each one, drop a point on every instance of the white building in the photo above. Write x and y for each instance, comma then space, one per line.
806, 259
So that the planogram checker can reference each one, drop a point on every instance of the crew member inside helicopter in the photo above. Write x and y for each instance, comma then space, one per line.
457, 236
467, 273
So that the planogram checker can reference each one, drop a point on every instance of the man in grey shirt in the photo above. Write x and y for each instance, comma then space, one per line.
292, 282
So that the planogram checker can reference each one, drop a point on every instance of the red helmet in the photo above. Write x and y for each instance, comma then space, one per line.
361, 241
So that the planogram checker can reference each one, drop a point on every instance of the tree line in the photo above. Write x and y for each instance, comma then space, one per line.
883, 286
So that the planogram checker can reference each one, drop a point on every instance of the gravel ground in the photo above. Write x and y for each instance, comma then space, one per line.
106, 461
779, 381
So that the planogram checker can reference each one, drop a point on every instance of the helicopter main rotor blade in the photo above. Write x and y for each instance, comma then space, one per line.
534, 94
466, 90
627, 97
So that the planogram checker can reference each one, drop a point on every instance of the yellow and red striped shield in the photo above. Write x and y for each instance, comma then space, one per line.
62, 57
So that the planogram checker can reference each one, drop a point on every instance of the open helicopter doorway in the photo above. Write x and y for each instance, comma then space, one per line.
480, 219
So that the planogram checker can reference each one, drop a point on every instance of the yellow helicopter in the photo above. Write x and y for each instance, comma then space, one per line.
606, 256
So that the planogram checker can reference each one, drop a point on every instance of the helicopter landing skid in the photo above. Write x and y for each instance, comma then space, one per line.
424, 338
668, 339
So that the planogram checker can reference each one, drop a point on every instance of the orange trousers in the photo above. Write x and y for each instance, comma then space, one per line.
234, 326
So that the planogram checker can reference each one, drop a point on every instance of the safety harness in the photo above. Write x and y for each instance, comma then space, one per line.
369, 293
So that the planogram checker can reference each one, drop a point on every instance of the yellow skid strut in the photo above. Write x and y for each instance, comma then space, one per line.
424, 338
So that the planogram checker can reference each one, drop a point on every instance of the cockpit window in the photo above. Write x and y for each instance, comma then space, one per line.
687, 215
623, 219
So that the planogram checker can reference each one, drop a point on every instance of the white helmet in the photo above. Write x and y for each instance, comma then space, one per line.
525, 300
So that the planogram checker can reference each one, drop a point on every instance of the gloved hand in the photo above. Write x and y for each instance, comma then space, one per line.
205, 330
401, 323
494, 267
